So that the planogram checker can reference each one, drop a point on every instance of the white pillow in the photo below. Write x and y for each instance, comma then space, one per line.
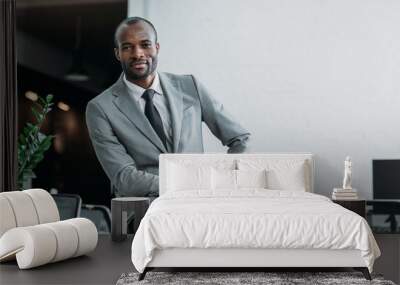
181, 177
223, 179
235, 179
251, 178
282, 174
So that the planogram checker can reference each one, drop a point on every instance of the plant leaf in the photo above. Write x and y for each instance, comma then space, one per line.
32, 144
49, 98
42, 101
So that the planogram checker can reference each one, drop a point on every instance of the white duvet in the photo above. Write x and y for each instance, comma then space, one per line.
250, 219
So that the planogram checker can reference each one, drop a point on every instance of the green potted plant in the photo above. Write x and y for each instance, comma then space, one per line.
32, 144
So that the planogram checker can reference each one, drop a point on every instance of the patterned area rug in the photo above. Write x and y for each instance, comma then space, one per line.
243, 278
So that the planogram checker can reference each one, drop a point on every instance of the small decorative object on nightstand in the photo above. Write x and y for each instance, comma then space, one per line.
123, 211
357, 206
347, 173
346, 192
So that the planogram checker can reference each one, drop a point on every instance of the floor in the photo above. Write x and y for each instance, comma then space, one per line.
103, 266
110, 259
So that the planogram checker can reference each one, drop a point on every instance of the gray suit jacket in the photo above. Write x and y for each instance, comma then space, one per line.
128, 147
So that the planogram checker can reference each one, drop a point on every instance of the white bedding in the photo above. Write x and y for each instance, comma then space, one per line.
251, 218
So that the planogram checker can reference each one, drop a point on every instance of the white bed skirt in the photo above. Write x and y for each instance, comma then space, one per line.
189, 257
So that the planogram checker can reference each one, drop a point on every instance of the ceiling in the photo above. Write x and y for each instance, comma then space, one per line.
54, 23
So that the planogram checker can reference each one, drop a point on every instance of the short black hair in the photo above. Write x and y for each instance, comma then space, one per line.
132, 21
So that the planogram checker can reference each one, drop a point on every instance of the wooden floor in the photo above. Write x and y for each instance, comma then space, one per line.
103, 266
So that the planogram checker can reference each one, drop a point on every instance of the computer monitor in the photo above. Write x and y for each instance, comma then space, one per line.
386, 179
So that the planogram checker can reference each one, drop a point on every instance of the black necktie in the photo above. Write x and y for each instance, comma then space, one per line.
153, 116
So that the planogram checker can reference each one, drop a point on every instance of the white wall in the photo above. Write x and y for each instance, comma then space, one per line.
321, 76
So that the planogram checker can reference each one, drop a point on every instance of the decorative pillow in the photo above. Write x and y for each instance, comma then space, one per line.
227, 179
282, 174
223, 179
188, 173
251, 178
183, 178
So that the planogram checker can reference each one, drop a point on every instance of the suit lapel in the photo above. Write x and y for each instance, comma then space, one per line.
175, 101
130, 108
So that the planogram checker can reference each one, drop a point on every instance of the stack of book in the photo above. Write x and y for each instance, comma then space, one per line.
344, 194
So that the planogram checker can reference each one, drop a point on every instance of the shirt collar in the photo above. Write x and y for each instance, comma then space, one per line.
138, 91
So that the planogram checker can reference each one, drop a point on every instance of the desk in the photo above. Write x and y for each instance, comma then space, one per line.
384, 218
102, 266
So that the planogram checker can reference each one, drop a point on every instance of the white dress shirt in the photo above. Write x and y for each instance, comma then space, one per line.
159, 101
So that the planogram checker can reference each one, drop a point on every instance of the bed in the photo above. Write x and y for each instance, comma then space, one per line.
246, 211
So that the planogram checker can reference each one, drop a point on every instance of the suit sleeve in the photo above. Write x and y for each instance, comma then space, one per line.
119, 166
221, 123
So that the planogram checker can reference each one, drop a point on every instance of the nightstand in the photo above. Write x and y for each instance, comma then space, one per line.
124, 210
357, 206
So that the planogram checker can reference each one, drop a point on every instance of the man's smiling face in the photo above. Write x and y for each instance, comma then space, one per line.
138, 52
